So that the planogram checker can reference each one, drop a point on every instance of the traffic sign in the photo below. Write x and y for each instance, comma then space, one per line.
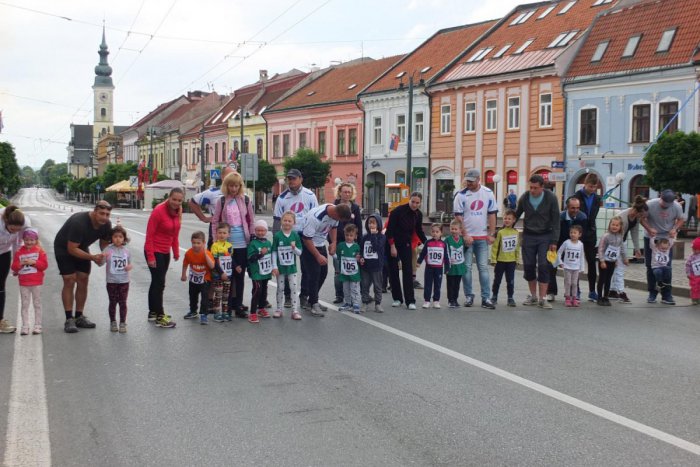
133, 180
249, 166
557, 164
215, 174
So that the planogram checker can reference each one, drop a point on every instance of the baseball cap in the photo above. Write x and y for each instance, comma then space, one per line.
668, 196
296, 173
472, 175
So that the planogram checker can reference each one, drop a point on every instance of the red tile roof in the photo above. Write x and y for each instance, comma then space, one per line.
543, 31
336, 84
650, 19
434, 54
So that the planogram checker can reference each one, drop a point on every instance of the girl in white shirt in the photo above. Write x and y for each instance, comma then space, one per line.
571, 258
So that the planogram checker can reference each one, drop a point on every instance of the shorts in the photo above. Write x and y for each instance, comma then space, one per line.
68, 264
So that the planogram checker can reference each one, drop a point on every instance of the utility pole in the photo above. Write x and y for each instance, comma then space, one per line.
150, 153
409, 133
202, 154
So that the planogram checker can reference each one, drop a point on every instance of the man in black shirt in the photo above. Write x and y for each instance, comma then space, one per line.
72, 249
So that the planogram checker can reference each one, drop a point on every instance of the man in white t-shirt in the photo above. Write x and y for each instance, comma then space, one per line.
476, 208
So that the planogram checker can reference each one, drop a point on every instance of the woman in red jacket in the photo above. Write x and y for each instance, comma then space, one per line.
161, 236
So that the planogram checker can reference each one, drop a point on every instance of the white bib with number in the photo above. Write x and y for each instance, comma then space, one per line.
572, 258
611, 253
27, 269
197, 277
456, 255
265, 264
508, 243
285, 254
661, 258
696, 268
118, 264
348, 266
435, 256
226, 264
369, 252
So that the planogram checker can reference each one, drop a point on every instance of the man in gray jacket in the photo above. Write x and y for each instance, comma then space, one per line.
540, 234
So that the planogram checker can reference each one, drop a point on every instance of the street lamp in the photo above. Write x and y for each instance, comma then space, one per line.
619, 178
496, 181
242, 120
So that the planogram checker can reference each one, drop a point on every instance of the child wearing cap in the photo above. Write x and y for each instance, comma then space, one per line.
29, 265
260, 270
692, 270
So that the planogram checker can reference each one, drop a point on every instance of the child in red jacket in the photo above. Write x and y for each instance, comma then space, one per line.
29, 263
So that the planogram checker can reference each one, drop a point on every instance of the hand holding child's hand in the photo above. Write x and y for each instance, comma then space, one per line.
275, 272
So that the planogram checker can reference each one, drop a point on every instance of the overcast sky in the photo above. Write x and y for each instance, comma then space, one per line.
160, 49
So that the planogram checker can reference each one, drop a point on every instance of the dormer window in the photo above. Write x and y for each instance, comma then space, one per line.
546, 12
600, 51
522, 17
426, 69
311, 93
602, 2
352, 86
479, 55
401, 75
525, 45
666, 40
562, 39
631, 46
503, 50
567, 7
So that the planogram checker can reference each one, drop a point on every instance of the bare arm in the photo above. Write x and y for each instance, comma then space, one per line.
197, 210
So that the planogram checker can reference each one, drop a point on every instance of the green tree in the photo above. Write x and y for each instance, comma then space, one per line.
45, 172
28, 176
62, 182
674, 162
267, 177
10, 180
315, 171
115, 173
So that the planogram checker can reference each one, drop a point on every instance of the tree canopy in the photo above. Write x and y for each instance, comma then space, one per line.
314, 170
10, 180
674, 163
267, 177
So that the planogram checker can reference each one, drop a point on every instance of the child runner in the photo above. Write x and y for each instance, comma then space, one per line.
260, 269
372, 262
505, 253
117, 267
610, 248
692, 270
221, 250
349, 256
29, 263
286, 246
435, 250
660, 256
200, 263
572, 258
455, 246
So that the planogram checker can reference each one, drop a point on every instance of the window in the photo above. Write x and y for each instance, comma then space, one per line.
246, 145
480, 54
513, 113
322, 143
641, 119
491, 115
400, 176
666, 40
546, 12
275, 146
285, 145
470, 117
418, 127
103, 112
601, 2
259, 147
525, 45
352, 137
186, 154
377, 130
545, 110
341, 142
562, 39
223, 152
503, 50
401, 127
216, 152
631, 46
600, 51
445, 119
588, 134
522, 17
667, 110
567, 7
302, 139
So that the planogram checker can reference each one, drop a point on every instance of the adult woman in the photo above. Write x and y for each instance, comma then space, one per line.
235, 209
345, 193
12, 222
630, 225
162, 235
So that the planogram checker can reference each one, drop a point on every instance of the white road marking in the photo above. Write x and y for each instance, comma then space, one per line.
28, 441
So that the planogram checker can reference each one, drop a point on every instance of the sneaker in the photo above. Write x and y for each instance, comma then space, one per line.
378, 308
511, 302
191, 315
416, 284
613, 294
668, 301
5, 327
338, 300
84, 323
296, 316
567, 302
203, 319
151, 316
411, 306
622, 296
227, 317
606, 302
592, 297
600, 302
550, 297
426, 305
651, 299
165, 321
345, 307
544, 304
317, 311
576, 302
452, 305
241, 314
36, 330
396, 303
277, 314
487, 304
494, 299
69, 326
113, 326
287, 302
253, 318
122, 328
356, 309
262, 312
219, 318
436, 304
304, 303
323, 307
469, 301
24, 332
531, 301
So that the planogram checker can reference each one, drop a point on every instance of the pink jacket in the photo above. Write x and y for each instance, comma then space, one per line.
30, 275
246, 210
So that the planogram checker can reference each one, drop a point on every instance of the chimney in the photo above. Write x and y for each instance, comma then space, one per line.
263, 75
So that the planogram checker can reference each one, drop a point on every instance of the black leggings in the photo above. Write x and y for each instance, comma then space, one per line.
604, 278
235, 298
259, 295
155, 291
5, 260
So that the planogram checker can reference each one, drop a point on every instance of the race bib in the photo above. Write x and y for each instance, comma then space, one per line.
611, 253
508, 243
435, 256
456, 255
265, 264
226, 263
369, 252
285, 255
696, 268
572, 257
661, 258
118, 264
197, 277
27, 269
348, 266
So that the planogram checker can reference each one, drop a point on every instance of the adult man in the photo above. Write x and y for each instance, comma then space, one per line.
590, 205
207, 199
475, 207
664, 219
569, 217
72, 249
300, 201
540, 233
404, 221
320, 223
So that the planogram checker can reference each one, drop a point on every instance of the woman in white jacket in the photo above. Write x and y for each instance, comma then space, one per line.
12, 223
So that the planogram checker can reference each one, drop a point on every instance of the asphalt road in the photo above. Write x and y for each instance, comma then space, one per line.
514, 386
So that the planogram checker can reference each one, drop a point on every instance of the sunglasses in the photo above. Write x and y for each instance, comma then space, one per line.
103, 205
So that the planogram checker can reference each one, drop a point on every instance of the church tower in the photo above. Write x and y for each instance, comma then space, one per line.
103, 93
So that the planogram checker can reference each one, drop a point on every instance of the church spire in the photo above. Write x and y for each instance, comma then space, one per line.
103, 71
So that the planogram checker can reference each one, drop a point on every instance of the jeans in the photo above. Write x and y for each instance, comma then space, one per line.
480, 249
651, 279
404, 253
314, 273
351, 291
433, 283
663, 276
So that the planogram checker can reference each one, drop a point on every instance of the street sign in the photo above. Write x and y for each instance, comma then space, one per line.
557, 164
133, 180
233, 165
249, 166
215, 174
557, 176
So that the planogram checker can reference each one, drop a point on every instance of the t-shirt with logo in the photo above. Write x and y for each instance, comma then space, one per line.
207, 199
349, 266
455, 250
221, 251
117, 258
199, 272
259, 263
317, 224
475, 207
300, 204
284, 255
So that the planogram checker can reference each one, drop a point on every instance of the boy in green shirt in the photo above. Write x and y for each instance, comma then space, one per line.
505, 253
260, 268
455, 248
286, 246
349, 255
